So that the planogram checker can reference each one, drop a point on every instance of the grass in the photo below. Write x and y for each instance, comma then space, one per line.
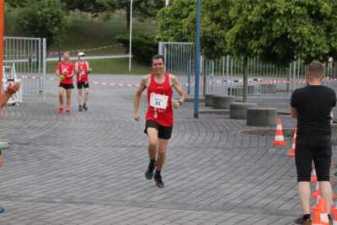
95, 36
88, 33
110, 66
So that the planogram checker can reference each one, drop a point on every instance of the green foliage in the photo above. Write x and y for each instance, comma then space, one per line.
91, 6
17, 3
43, 18
215, 24
143, 47
175, 22
279, 31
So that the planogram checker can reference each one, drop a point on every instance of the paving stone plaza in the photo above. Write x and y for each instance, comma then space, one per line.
87, 168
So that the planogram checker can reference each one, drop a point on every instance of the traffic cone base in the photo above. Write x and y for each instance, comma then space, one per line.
279, 136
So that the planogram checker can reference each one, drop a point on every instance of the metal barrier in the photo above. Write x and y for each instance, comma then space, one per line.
29, 57
224, 76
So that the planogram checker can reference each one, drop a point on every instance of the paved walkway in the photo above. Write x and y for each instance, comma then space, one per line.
87, 168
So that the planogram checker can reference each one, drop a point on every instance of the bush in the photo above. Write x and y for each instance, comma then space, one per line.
43, 18
143, 47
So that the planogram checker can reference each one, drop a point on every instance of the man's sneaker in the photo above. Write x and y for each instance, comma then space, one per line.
2, 210
303, 221
80, 108
85, 107
149, 171
158, 180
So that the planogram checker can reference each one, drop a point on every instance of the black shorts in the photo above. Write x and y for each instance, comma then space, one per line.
163, 132
313, 149
81, 85
66, 86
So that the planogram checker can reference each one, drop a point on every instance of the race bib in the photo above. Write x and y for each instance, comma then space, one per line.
158, 101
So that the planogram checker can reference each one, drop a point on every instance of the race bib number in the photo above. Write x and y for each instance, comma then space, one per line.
158, 101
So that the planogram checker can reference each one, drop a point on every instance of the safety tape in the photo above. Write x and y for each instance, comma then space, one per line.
95, 82
55, 53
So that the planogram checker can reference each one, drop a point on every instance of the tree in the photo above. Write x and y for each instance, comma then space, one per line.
280, 31
16, 3
174, 21
43, 18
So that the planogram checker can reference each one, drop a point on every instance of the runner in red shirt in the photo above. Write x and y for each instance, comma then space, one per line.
82, 70
159, 115
65, 72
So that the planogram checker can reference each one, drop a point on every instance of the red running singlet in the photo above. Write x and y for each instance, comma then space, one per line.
159, 98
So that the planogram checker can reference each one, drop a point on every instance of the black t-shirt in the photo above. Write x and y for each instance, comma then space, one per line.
313, 104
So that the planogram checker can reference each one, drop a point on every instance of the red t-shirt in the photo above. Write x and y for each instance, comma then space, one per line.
159, 98
82, 68
66, 68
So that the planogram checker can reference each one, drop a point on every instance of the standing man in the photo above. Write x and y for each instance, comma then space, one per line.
82, 70
65, 72
312, 106
159, 115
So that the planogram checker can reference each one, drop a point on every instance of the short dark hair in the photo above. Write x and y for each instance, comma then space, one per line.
316, 69
155, 57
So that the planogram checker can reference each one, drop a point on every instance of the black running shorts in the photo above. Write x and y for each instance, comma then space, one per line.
81, 85
163, 132
313, 149
66, 86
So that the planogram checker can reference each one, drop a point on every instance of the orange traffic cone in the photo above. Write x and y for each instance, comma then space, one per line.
316, 216
324, 212
279, 135
291, 151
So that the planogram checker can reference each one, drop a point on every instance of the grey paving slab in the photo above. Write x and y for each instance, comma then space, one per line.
87, 168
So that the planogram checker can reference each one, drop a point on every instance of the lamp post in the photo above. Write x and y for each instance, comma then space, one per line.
2, 29
130, 40
197, 59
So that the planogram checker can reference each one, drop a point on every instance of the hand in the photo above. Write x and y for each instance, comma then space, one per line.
61, 77
136, 117
12, 88
177, 104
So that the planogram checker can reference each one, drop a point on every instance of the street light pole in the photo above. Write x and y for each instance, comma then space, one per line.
197, 59
130, 40
2, 30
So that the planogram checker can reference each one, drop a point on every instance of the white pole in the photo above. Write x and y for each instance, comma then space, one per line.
130, 40
167, 2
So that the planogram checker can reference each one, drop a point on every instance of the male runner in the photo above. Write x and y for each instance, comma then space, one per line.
65, 72
159, 115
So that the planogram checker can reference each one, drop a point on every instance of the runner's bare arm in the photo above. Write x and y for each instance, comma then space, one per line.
138, 95
293, 112
179, 88
76, 68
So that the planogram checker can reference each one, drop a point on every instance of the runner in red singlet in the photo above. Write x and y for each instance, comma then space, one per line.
65, 72
82, 70
159, 115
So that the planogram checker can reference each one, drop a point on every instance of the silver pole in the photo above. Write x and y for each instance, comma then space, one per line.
130, 44
44, 63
